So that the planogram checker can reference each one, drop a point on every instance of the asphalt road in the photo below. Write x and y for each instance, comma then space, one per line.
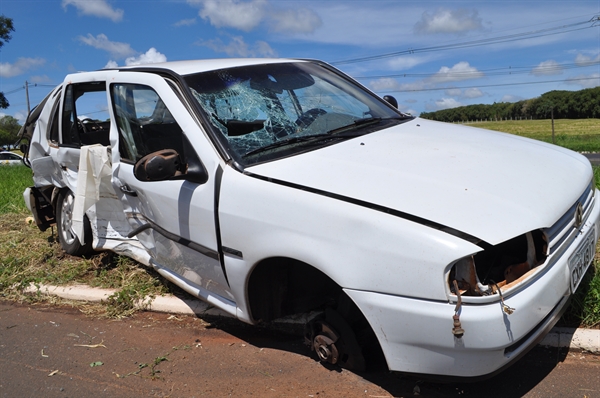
594, 158
49, 351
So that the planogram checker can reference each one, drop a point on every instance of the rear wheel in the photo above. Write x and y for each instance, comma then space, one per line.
64, 221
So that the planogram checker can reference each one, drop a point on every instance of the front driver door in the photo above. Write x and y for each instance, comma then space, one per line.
173, 219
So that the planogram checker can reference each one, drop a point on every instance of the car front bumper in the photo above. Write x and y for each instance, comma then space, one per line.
416, 335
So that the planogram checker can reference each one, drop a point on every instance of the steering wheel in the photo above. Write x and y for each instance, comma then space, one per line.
306, 118
83, 123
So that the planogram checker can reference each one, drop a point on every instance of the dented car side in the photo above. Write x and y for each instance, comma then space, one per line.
271, 188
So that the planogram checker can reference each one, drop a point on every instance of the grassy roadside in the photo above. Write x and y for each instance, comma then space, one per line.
581, 135
29, 256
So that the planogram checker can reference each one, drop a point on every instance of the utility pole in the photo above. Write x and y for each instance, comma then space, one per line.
27, 95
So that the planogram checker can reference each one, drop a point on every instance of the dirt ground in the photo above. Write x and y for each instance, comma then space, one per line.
56, 351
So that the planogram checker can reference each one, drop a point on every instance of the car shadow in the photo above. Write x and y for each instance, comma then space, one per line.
515, 381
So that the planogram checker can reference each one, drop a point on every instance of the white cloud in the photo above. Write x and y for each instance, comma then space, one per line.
585, 81
111, 65
248, 15
289, 21
511, 98
547, 68
149, 57
237, 47
21, 66
584, 60
185, 22
384, 84
21, 116
447, 103
448, 21
453, 92
96, 8
232, 13
459, 72
101, 42
405, 62
472, 93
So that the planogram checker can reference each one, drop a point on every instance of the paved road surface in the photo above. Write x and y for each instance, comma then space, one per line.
594, 158
48, 352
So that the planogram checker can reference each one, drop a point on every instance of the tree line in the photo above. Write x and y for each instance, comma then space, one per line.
560, 104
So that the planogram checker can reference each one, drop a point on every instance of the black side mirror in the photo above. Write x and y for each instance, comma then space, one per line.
158, 166
391, 100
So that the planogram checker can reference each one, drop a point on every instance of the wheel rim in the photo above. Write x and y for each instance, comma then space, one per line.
66, 219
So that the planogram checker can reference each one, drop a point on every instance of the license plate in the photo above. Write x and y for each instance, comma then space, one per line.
581, 260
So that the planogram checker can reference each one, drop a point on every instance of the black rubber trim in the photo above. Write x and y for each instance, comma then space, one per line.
175, 238
218, 179
396, 213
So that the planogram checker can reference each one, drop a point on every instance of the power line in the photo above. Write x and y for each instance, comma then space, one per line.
593, 22
493, 85
510, 70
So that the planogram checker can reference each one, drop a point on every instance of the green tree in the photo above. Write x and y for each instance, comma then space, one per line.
9, 128
6, 27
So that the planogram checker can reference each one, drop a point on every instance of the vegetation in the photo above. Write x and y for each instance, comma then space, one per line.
581, 135
581, 104
6, 27
31, 257
9, 129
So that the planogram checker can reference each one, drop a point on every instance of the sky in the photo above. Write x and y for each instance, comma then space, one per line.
430, 55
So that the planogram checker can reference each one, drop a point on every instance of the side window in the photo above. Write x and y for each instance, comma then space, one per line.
53, 125
85, 118
145, 123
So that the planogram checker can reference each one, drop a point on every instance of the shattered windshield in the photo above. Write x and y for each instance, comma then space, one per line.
267, 111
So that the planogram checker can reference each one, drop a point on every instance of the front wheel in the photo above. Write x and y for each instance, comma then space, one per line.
64, 222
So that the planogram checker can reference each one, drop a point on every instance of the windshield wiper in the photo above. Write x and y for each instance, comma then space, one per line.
290, 141
365, 121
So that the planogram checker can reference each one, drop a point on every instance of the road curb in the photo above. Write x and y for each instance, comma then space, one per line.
576, 339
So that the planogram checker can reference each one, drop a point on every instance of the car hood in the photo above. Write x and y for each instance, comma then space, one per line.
487, 184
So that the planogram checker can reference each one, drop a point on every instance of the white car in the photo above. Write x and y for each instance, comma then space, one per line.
8, 158
273, 187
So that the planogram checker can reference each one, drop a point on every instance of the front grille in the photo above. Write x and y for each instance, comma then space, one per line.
561, 234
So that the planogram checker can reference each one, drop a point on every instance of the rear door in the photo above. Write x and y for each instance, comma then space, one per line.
174, 219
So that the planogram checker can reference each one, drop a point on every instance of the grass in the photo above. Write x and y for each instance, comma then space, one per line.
29, 256
582, 135
14, 180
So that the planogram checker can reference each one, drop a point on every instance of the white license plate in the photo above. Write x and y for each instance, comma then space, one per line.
581, 260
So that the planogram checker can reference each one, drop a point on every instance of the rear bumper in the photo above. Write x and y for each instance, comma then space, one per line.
416, 335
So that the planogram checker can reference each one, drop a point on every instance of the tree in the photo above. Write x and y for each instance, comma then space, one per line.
6, 27
9, 129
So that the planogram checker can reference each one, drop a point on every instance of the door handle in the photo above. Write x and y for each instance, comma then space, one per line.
127, 191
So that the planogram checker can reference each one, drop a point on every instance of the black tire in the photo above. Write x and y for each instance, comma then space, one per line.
64, 225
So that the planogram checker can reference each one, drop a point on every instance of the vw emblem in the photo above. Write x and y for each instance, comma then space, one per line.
578, 215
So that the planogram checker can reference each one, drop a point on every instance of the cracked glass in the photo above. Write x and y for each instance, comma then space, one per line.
270, 110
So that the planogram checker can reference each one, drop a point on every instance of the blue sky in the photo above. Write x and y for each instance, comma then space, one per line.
429, 54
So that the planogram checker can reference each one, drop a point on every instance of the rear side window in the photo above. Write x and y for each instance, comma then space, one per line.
145, 123
85, 117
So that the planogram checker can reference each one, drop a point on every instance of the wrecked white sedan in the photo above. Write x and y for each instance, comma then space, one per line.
271, 188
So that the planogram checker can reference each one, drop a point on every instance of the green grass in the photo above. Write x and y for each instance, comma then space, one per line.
581, 135
13, 181
29, 256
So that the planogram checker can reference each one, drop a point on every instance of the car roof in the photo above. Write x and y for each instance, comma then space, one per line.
204, 65
184, 67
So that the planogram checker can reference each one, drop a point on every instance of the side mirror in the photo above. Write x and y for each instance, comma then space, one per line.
158, 166
391, 100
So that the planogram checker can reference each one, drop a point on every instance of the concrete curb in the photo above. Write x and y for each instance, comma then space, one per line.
577, 339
